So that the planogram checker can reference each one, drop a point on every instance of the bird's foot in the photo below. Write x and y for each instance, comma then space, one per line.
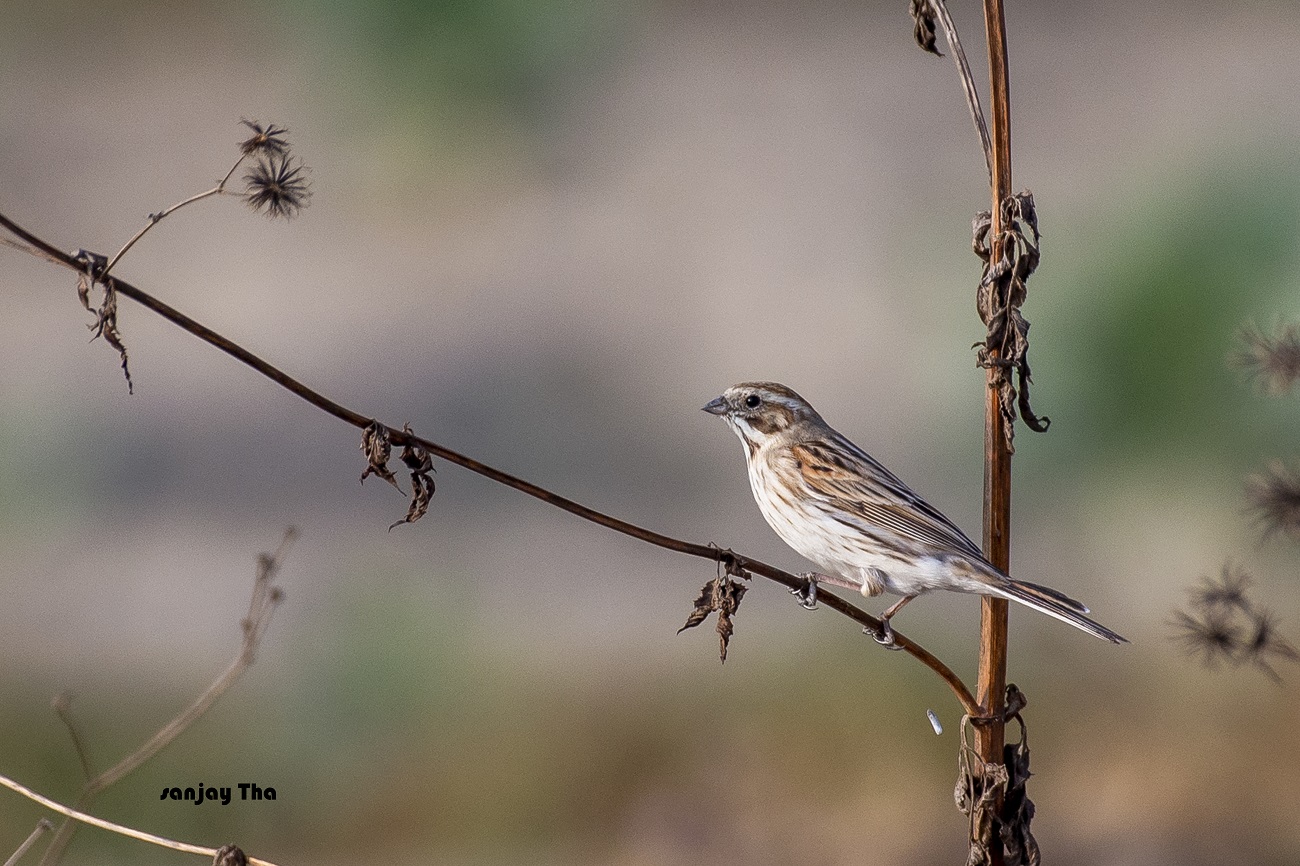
883, 636
807, 593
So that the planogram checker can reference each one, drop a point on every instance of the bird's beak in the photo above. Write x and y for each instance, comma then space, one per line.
716, 406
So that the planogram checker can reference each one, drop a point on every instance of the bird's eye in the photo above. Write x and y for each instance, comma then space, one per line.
752, 401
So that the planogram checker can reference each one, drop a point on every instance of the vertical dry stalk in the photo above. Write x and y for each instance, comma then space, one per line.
991, 681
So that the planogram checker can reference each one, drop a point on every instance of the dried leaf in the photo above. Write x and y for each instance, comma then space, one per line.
924, 25
105, 324
420, 464
722, 595
1009, 260
981, 786
378, 447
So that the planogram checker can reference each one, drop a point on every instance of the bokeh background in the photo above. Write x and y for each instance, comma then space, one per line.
545, 232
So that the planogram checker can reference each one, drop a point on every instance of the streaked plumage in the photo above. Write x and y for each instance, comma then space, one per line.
839, 507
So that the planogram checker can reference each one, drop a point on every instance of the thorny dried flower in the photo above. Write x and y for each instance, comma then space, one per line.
1274, 497
420, 464
266, 140
1265, 643
1228, 625
378, 447
1228, 592
1212, 637
1272, 361
277, 186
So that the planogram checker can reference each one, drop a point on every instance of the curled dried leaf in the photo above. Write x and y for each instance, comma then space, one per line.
105, 324
993, 796
924, 25
377, 445
1009, 259
722, 595
420, 464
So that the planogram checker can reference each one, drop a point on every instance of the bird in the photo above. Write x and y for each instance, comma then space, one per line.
866, 530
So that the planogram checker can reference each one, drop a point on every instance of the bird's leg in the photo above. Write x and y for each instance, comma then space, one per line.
885, 637
807, 593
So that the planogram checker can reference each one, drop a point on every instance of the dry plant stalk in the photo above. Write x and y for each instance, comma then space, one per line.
265, 598
130, 832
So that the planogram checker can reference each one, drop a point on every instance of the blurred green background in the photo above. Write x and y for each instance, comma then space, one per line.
545, 233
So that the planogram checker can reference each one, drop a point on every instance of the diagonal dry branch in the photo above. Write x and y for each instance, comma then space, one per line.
402, 437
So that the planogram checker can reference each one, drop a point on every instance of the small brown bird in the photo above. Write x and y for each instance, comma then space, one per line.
837, 506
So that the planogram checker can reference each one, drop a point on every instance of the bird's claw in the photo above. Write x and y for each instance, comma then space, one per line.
884, 636
807, 593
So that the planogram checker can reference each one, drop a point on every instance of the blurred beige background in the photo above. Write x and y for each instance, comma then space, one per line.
545, 233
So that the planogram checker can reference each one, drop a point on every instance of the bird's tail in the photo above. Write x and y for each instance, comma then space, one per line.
1055, 604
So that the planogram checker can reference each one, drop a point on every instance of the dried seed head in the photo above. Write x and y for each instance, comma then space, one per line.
1228, 592
1211, 638
265, 141
1274, 497
1265, 644
1272, 361
277, 187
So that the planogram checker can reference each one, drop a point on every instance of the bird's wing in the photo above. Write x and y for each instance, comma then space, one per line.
856, 485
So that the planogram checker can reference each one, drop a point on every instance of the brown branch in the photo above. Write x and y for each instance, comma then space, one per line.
262, 605
401, 437
990, 688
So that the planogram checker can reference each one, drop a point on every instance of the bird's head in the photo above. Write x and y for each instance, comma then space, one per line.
760, 411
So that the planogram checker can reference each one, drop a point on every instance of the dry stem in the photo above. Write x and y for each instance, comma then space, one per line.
261, 607
43, 826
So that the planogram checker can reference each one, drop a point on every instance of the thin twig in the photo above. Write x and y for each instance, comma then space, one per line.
967, 80
63, 708
401, 437
43, 826
142, 836
261, 607
155, 218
